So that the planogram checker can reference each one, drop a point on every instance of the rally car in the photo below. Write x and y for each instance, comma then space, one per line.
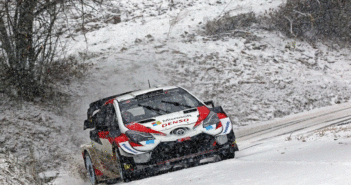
148, 131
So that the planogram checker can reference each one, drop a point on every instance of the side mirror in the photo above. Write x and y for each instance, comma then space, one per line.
88, 124
218, 109
209, 103
94, 136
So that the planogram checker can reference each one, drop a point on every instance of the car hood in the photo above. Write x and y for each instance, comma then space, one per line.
173, 120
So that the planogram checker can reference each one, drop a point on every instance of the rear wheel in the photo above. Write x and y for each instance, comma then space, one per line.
90, 169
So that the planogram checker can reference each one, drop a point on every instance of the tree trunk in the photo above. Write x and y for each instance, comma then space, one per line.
24, 68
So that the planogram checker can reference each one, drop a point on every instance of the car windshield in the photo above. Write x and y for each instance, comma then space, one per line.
147, 106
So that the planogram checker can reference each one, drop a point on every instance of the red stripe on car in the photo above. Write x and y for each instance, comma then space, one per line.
184, 139
122, 138
103, 134
203, 113
221, 115
219, 125
109, 101
134, 144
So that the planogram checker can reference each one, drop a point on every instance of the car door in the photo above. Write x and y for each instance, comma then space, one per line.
106, 126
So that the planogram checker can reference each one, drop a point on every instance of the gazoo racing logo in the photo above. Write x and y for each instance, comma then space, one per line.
177, 120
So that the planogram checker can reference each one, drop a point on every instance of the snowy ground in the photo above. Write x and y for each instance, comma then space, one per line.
255, 74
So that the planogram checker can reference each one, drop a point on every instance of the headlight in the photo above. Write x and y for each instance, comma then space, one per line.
211, 119
222, 139
137, 137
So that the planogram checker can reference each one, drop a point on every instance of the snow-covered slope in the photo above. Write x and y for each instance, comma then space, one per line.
255, 74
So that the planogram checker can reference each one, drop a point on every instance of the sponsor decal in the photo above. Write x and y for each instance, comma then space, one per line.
174, 122
156, 123
129, 149
150, 142
186, 116
227, 126
209, 127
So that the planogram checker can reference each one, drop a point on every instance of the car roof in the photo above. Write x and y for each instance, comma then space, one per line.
133, 94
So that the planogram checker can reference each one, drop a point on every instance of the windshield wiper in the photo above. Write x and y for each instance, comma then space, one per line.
146, 120
153, 108
177, 104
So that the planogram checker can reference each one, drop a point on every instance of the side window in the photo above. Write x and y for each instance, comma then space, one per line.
189, 101
111, 121
110, 116
105, 118
99, 119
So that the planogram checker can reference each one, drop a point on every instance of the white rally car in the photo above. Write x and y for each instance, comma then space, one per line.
148, 131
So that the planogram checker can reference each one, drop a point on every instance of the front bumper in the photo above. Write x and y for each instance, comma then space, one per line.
188, 150
181, 154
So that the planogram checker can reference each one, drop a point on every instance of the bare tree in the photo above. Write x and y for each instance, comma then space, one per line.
28, 40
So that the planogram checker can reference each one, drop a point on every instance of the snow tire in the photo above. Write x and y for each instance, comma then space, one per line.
90, 168
120, 160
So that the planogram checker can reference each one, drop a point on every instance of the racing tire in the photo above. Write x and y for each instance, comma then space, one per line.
229, 154
125, 176
90, 168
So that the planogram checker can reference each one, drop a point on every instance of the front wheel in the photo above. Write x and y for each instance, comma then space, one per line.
123, 173
228, 154
90, 169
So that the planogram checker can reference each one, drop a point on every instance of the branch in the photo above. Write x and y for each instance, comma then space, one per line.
5, 40
47, 6
319, 2
219, 16
291, 25
300, 13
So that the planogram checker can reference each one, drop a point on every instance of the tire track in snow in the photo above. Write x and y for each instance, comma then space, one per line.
301, 124
319, 128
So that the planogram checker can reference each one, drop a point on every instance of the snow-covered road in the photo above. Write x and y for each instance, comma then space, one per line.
293, 125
